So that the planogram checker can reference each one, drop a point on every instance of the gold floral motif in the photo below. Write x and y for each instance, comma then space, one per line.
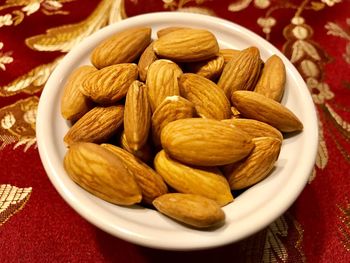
17, 124
344, 226
31, 82
12, 200
5, 58
180, 5
336, 30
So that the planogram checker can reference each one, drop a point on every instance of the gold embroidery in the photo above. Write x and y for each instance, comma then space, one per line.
344, 226
31, 82
336, 30
12, 200
63, 38
17, 123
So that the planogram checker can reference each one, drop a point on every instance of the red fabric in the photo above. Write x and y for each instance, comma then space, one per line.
317, 226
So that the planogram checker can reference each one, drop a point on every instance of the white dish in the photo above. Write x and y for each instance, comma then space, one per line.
249, 213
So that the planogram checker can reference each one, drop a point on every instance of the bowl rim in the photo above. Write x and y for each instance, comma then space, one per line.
277, 205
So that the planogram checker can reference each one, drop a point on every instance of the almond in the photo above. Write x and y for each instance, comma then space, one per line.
240, 73
256, 166
210, 69
205, 142
207, 182
123, 47
97, 125
171, 109
272, 80
75, 104
137, 116
147, 58
101, 173
209, 100
162, 81
256, 106
110, 84
255, 128
145, 153
229, 54
166, 30
150, 183
187, 45
194, 210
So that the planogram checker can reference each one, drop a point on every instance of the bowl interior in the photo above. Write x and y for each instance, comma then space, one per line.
250, 212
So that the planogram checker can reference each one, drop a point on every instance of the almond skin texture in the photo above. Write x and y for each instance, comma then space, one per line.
229, 54
207, 182
256, 106
272, 80
124, 47
205, 142
75, 104
162, 81
210, 69
171, 109
167, 30
147, 58
110, 84
209, 100
137, 116
187, 45
145, 153
97, 125
193, 210
150, 183
101, 173
256, 166
255, 128
240, 73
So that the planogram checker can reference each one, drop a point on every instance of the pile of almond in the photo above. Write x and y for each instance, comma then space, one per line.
179, 130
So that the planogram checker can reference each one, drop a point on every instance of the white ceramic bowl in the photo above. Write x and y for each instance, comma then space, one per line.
249, 213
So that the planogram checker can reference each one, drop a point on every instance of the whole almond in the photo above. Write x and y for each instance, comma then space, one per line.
256, 106
187, 45
137, 115
205, 142
145, 153
162, 81
229, 54
171, 109
101, 173
256, 166
272, 80
97, 125
123, 47
240, 73
166, 30
210, 69
207, 182
194, 210
150, 183
255, 128
147, 58
75, 104
110, 84
209, 100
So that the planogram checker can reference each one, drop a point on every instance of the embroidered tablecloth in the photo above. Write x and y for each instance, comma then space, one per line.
36, 225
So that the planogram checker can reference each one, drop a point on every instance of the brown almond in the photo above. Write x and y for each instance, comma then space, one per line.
147, 58
110, 84
123, 47
97, 125
150, 183
210, 69
171, 109
209, 100
205, 142
167, 30
256, 166
229, 54
145, 153
193, 210
240, 73
187, 45
204, 181
75, 104
101, 173
162, 81
258, 107
272, 80
137, 116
